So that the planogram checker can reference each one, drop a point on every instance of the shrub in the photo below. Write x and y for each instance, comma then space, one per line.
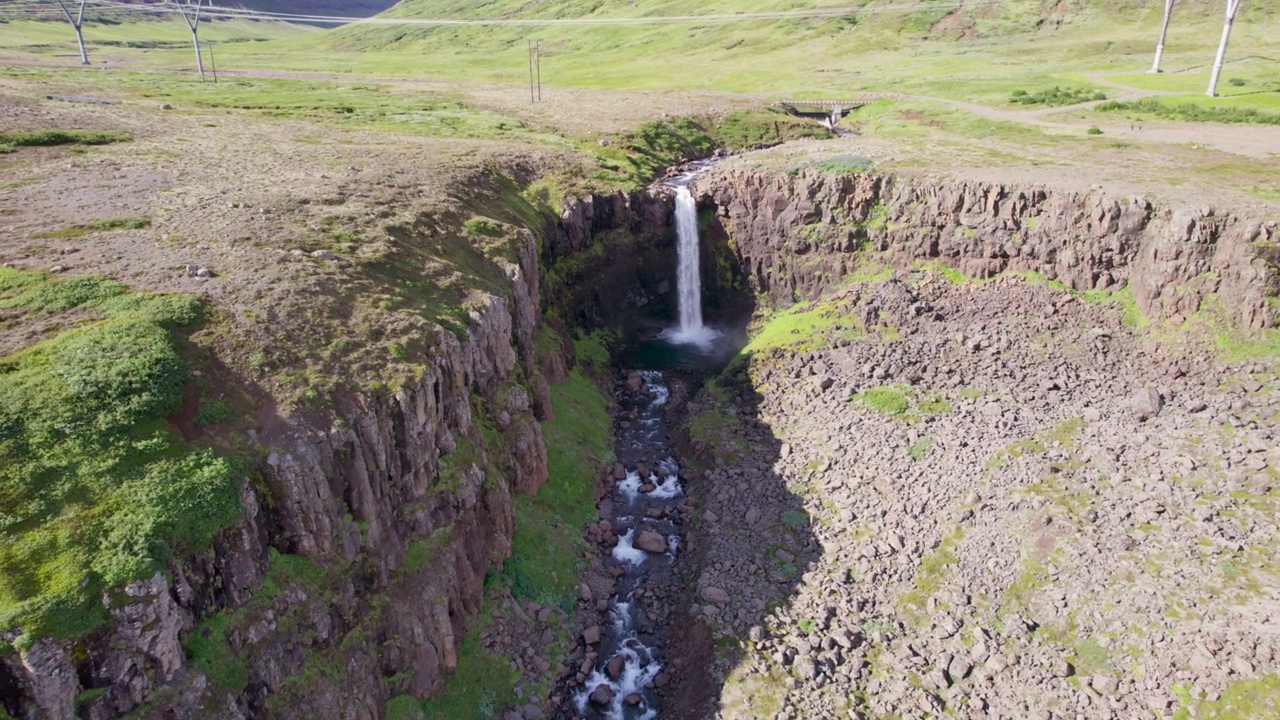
1191, 112
66, 294
846, 164
127, 368
1056, 96
95, 489
46, 138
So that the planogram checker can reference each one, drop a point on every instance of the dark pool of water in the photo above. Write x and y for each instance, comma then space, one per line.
651, 351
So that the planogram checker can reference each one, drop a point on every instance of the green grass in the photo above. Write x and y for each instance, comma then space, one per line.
1192, 112
95, 488
901, 402
806, 326
546, 548
889, 400
107, 225
1090, 658
48, 138
846, 165
1241, 700
483, 684
1056, 96
921, 448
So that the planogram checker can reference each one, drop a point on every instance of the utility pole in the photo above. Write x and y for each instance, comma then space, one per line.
529, 48
1232, 7
193, 22
77, 22
1164, 31
535, 70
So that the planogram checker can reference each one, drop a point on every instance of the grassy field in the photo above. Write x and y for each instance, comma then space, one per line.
958, 49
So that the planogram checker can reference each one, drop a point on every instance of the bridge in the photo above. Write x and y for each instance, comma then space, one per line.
828, 112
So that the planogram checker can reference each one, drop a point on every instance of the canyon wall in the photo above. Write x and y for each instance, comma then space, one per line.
358, 564
797, 234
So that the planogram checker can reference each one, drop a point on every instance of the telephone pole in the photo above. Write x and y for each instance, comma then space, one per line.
1164, 32
535, 70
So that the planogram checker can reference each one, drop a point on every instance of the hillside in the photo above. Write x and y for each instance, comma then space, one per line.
340, 8
881, 45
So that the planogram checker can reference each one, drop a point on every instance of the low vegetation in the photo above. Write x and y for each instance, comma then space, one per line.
1189, 112
546, 547
1056, 96
46, 138
96, 489
95, 226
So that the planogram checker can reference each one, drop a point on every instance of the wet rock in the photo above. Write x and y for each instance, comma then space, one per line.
615, 667
632, 700
591, 635
602, 696
652, 542
634, 382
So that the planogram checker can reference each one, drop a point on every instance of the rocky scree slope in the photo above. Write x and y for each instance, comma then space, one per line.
924, 495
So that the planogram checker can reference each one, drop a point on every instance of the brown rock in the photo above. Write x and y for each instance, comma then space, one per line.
602, 696
591, 635
715, 595
614, 667
652, 542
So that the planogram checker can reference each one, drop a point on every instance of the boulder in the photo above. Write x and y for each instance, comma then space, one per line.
602, 696
715, 595
652, 542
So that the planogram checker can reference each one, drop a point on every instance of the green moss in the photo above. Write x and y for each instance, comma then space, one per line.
1090, 658
889, 400
920, 449
547, 547
403, 707
1241, 700
807, 326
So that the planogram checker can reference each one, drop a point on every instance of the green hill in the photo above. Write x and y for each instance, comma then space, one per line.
902, 45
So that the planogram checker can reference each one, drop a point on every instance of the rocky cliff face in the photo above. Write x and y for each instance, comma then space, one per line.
797, 235
359, 561
612, 258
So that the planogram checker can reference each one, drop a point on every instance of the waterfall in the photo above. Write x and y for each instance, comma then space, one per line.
688, 275
688, 278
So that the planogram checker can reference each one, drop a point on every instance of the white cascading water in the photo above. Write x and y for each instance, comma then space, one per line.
688, 275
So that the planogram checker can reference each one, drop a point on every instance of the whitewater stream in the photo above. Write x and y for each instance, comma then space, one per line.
644, 506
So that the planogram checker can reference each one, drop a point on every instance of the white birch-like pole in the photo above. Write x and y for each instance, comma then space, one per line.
1164, 32
77, 22
193, 22
1232, 7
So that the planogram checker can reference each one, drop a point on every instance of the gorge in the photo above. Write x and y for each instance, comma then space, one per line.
939, 371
